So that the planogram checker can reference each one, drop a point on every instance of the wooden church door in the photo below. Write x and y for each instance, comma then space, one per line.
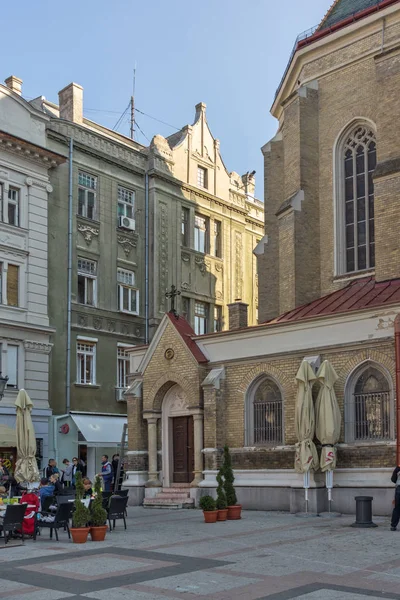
183, 449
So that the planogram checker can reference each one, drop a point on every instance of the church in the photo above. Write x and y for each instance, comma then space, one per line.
328, 289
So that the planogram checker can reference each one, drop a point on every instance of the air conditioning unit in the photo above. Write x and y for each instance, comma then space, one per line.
119, 394
126, 223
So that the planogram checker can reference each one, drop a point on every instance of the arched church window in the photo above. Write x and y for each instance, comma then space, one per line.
359, 156
370, 399
265, 414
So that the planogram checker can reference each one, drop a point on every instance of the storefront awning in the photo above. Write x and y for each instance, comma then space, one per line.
100, 430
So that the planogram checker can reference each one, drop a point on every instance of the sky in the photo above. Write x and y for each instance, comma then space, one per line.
230, 54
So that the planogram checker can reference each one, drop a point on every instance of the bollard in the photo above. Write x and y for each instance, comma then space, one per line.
363, 512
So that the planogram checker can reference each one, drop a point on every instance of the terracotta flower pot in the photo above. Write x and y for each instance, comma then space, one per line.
222, 514
234, 512
79, 534
210, 516
98, 534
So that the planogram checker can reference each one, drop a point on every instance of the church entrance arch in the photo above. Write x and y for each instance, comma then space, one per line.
177, 438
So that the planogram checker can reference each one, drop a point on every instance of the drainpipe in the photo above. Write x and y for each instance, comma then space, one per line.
146, 255
397, 349
69, 283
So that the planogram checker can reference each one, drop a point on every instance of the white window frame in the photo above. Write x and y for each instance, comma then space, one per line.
87, 348
339, 197
14, 202
126, 200
217, 310
88, 275
202, 177
185, 226
200, 319
217, 238
87, 183
125, 359
20, 262
197, 235
123, 277
4, 367
6, 188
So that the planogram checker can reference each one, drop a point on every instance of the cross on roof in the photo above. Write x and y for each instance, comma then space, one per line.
172, 295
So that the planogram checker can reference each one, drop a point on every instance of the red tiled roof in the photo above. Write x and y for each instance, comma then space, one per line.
357, 295
186, 332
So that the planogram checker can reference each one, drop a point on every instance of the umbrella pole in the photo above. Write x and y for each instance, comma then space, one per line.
306, 485
329, 486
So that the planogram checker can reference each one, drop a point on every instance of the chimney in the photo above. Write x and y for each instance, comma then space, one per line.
14, 84
237, 315
70, 101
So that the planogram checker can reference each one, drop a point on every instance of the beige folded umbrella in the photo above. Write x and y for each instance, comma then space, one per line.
306, 457
26, 467
328, 422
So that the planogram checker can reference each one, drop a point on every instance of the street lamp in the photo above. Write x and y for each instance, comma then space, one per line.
3, 383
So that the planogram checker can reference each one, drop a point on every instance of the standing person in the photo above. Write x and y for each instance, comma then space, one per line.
51, 468
67, 475
396, 511
114, 464
76, 466
106, 473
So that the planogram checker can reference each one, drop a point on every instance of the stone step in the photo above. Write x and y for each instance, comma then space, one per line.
176, 490
168, 503
181, 497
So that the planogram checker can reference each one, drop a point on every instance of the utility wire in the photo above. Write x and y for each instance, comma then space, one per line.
141, 131
119, 122
117, 112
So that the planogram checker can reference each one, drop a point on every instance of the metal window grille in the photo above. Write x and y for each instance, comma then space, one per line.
267, 414
372, 407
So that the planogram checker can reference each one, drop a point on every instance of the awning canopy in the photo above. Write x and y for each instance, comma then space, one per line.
8, 437
100, 430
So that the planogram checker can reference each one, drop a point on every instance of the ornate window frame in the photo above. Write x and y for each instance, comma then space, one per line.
249, 412
349, 406
339, 197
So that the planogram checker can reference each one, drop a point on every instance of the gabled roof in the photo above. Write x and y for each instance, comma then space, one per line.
186, 332
342, 9
359, 294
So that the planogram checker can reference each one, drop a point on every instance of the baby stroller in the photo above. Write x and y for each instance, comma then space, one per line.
33, 502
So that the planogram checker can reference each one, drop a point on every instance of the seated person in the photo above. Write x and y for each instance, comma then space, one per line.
87, 484
3, 492
55, 480
45, 489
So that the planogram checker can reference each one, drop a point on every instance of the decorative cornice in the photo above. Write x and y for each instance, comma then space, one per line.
16, 145
88, 232
127, 244
37, 183
38, 347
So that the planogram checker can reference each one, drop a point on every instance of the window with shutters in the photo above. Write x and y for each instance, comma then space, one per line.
355, 230
87, 185
86, 363
87, 281
12, 285
264, 413
128, 294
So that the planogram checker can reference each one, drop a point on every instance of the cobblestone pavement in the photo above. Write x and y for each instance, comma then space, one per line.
174, 555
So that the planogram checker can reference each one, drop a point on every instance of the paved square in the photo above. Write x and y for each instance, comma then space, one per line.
174, 555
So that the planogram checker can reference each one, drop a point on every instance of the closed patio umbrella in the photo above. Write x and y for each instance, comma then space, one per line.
26, 467
328, 422
306, 457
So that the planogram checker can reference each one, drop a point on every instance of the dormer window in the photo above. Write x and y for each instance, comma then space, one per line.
202, 177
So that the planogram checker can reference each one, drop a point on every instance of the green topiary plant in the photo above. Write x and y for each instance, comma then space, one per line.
221, 496
229, 478
81, 514
98, 513
207, 503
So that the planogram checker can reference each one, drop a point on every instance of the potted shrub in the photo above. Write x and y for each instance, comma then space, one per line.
207, 504
81, 514
221, 503
98, 514
234, 509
